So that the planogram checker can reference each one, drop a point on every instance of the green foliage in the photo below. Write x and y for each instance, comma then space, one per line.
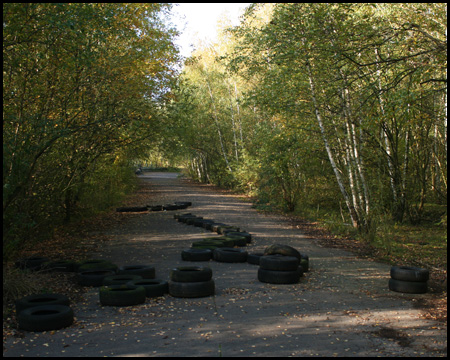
82, 91
337, 111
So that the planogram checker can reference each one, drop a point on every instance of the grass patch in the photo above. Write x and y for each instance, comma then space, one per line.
422, 245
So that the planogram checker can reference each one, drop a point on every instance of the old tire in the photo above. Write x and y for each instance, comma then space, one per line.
221, 229
279, 263
409, 273
230, 255
146, 271
254, 258
280, 277
121, 295
237, 240
93, 277
282, 250
409, 287
153, 287
191, 289
132, 209
45, 318
32, 263
248, 237
196, 254
60, 265
41, 300
95, 264
190, 274
120, 279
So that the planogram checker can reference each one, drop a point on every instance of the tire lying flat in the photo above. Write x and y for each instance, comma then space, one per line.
279, 263
280, 277
230, 255
45, 318
146, 271
191, 289
190, 274
153, 287
41, 300
121, 295
409, 273
409, 287
196, 254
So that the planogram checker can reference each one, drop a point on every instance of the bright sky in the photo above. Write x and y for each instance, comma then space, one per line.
199, 21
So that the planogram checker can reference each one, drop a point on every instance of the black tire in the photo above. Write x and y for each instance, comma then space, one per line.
41, 300
207, 222
156, 208
280, 277
254, 258
170, 207
282, 250
146, 271
208, 244
184, 218
190, 274
93, 277
227, 242
409, 287
409, 273
237, 240
176, 216
153, 288
132, 209
215, 226
221, 229
191, 289
196, 255
279, 263
245, 234
60, 265
202, 222
32, 263
120, 279
45, 318
95, 264
230, 255
185, 204
121, 295
190, 221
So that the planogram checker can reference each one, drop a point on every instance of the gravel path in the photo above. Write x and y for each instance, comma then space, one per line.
342, 307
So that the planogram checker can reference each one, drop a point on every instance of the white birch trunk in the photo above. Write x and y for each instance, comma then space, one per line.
351, 209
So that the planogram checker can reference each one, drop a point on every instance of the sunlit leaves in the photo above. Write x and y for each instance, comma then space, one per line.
83, 82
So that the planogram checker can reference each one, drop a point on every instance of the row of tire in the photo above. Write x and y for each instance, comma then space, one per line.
131, 286
281, 265
177, 205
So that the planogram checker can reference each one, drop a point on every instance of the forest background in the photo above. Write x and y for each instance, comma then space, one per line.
332, 112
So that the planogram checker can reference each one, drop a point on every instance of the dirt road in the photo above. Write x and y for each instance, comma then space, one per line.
341, 307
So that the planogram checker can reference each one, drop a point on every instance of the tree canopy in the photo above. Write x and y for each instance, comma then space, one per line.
83, 85
337, 106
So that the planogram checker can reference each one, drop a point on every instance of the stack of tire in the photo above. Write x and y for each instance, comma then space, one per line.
280, 264
409, 279
44, 312
191, 282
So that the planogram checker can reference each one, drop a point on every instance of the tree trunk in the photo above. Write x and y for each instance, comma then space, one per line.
351, 208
